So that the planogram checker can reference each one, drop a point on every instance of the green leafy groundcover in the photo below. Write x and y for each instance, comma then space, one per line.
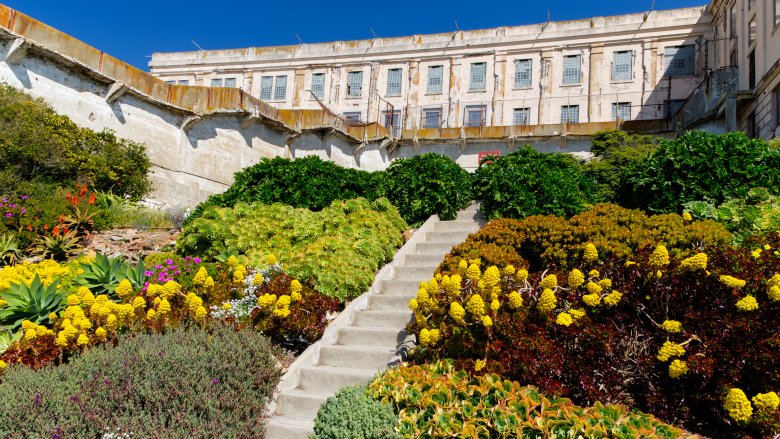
181, 384
336, 250
528, 182
756, 213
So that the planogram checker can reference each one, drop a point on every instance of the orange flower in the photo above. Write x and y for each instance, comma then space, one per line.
55, 231
83, 191
91, 199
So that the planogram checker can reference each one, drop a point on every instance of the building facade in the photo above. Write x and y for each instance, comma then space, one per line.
629, 67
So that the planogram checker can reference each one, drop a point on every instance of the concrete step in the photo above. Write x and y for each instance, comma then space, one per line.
427, 259
417, 273
467, 226
400, 287
289, 427
299, 402
383, 319
362, 357
451, 238
379, 337
387, 302
439, 248
331, 379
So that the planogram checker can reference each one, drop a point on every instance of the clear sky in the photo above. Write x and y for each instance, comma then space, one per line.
133, 30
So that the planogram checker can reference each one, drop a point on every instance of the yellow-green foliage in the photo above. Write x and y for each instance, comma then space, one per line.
336, 250
437, 401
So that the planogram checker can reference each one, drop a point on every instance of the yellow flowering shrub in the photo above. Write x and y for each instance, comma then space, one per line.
47, 270
678, 368
737, 405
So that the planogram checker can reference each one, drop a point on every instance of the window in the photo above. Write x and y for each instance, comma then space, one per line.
435, 78
752, 31
474, 116
478, 76
280, 88
673, 106
570, 114
622, 63
752, 70
216, 82
393, 122
171, 82
266, 87
394, 82
355, 84
680, 60
184, 82
521, 116
318, 85
230, 82
431, 117
353, 117
621, 111
571, 69
523, 73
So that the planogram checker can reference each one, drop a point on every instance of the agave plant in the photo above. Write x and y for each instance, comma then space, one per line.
137, 275
7, 338
60, 246
9, 252
104, 274
34, 303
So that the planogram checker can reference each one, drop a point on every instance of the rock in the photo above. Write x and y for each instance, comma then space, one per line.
117, 238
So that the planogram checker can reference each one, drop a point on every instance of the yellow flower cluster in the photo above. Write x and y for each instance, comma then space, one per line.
522, 275
473, 273
766, 401
747, 303
613, 298
594, 288
232, 261
773, 288
547, 301
695, 262
577, 314
282, 306
660, 257
670, 350
457, 312
686, 216
731, 282
672, 326
738, 406
270, 259
266, 301
605, 284
124, 289
591, 299
295, 290
429, 337
492, 276
549, 282
451, 284
591, 253
479, 365
3, 365
487, 321
33, 331
509, 270
576, 278
476, 306
678, 368
47, 270
564, 319
239, 274
195, 304
515, 300
257, 279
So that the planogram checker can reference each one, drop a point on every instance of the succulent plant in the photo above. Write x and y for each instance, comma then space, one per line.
9, 252
104, 274
34, 302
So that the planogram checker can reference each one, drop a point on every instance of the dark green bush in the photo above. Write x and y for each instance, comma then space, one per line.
699, 166
352, 413
186, 383
614, 151
528, 182
427, 184
37, 144
308, 182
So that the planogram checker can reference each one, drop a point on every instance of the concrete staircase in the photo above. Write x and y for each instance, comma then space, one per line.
373, 338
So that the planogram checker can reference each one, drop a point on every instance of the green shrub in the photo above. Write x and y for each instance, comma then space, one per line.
352, 413
336, 250
307, 182
528, 182
701, 167
185, 383
614, 151
427, 184
37, 144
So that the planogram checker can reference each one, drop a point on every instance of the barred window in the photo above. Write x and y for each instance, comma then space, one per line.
353, 117
393, 121
431, 117
318, 85
673, 106
266, 87
571, 69
216, 82
280, 88
475, 116
523, 73
435, 78
622, 65
478, 76
171, 81
570, 114
680, 60
355, 84
521, 116
184, 82
621, 111
230, 82
394, 82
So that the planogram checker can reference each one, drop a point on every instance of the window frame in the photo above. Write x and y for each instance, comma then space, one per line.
517, 121
568, 112
399, 85
567, 69
352, 85
468, 110
474, 85
617, 107
391, 116
321, 86
216, 82
266, 88
522, 83
353, 117
277, 88
424, 119
616, 71
674, 71
436, 89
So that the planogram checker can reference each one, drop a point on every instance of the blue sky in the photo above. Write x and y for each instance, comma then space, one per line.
133, 30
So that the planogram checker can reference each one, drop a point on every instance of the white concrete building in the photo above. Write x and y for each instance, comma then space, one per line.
628, 67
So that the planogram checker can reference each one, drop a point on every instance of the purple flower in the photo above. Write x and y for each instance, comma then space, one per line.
214, 381
24, 210
158, 267
168, 262
24, 197
197, 260
9, 215
148, 273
